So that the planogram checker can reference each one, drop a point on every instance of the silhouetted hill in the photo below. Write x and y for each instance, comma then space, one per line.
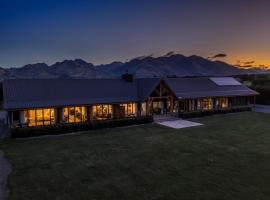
146, 66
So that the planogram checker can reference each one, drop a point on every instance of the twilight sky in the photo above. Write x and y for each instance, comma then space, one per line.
100, 31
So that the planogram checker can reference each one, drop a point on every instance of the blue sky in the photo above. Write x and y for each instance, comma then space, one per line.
104, 31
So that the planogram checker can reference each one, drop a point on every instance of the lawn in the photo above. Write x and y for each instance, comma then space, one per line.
227, 158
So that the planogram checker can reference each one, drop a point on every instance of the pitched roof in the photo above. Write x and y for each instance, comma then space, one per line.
31, 93
34, 93
205, 87
146, 86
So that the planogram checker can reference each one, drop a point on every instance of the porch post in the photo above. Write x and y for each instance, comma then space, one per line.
55, 115
85, 113
171, 104
214, 100
138, 108
60, 115
22, 117
147, 107
90, 117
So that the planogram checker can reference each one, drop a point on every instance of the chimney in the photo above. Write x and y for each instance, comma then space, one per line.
127, 77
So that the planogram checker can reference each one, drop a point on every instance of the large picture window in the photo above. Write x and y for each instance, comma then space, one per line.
102, 111
39, 117
205, 104
221, 102
129, 109
74, 114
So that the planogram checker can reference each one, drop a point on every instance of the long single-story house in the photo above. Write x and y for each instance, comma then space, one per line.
42, 102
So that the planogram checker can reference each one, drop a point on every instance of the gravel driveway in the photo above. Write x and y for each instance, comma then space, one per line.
261, 108
5, 170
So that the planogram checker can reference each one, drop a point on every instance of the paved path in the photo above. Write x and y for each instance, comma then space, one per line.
261, 108
174, 122
177, 124
162, 118
5, 170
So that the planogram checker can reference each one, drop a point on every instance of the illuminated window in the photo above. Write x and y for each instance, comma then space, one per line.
48, 116
39, 117
129, 109
74, 114
205, 104
144, 108
102, 111
222, 103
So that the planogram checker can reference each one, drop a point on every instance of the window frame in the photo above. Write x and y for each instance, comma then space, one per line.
38, 122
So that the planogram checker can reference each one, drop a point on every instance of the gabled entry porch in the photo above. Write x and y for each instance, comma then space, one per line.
162, 100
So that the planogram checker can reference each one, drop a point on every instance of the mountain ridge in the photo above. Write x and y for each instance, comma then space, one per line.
144, 66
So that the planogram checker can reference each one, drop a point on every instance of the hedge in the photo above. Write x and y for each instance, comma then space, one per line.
75, 127
211, 112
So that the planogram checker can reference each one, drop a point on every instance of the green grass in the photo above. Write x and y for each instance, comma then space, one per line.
227, 158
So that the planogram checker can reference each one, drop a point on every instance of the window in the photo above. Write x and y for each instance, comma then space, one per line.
205, 104
102, 111
48, 116
187, 105
74, 114
129, 109
39, 117
222, 102
240, 101
191, 105
143, 111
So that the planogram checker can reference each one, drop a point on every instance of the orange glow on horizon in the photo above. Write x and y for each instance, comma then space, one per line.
249, 62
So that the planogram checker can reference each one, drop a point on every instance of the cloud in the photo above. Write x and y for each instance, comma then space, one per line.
249, 62
219, 55
245, 64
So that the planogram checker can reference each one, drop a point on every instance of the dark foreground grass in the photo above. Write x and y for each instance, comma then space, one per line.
227, 158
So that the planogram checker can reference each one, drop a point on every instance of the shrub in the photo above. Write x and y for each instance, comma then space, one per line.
211, 112
74, 127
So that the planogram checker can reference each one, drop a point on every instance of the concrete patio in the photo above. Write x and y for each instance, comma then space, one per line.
173, 122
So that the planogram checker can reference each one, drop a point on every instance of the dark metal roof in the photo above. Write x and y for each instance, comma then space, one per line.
146, 86
204, 87
31, 93
34, 93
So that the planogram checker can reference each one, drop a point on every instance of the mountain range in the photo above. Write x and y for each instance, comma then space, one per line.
146, 66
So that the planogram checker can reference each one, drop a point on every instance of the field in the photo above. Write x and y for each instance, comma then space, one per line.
227, 158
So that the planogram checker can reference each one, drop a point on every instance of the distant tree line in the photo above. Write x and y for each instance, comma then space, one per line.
259, 83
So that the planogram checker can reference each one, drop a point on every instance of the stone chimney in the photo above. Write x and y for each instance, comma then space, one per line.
127, 77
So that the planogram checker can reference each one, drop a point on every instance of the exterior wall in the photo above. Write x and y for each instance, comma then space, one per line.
22, 117
4, 116
18, 118
218, 103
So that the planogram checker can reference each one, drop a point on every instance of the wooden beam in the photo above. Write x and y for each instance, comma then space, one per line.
163, 97
160, 89
157, 92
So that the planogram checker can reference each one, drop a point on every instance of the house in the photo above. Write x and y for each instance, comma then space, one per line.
43, 102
